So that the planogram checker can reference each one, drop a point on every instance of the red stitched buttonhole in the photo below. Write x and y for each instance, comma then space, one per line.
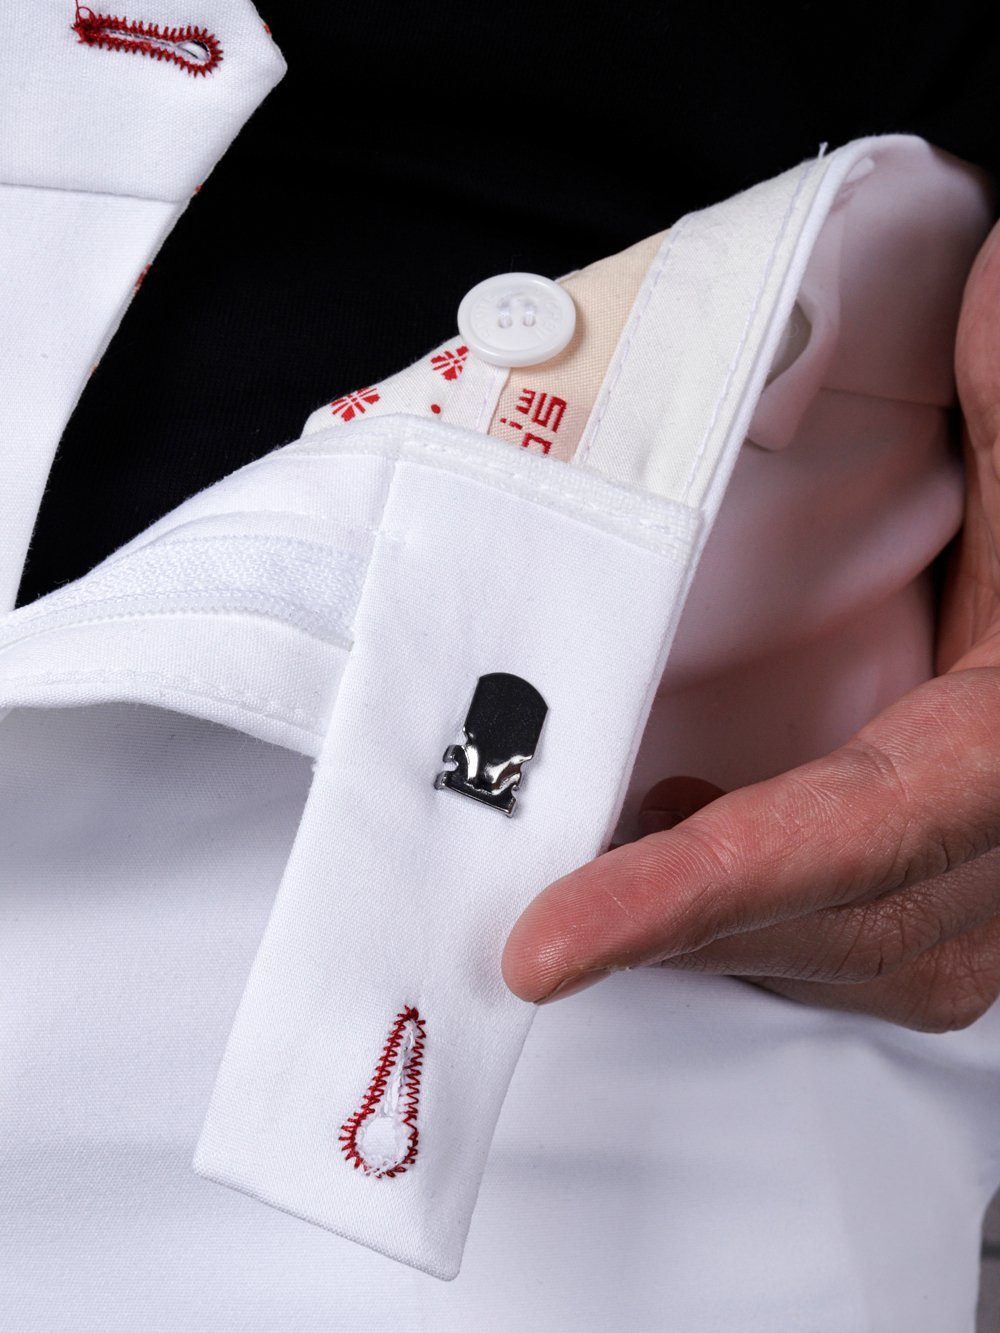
192, 48
381, 1137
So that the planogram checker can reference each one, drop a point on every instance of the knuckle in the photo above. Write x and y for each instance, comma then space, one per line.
878, 939
871, 963
909, 926
951, 990
912, 847
945, 1013
866, 958
684, 873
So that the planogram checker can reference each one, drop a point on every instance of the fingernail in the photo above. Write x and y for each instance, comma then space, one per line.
658, 821
582, 981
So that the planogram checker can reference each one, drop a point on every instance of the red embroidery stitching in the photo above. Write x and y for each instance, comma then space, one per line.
409, 1096
449, 363
194, 49
354, 404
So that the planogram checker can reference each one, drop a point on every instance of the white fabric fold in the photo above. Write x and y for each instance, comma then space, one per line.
474, 558
410, 893
100, 152
408, 890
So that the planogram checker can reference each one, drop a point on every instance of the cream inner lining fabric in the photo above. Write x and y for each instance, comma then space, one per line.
545, 408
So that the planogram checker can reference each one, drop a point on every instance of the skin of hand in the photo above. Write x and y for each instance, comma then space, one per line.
868, 880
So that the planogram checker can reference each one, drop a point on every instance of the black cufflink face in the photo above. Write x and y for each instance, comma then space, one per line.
501, 730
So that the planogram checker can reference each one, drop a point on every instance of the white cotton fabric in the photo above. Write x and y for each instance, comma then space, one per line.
675, 1152
409, 888
68, 266
292, 579
94, 121
99, 153
587, 624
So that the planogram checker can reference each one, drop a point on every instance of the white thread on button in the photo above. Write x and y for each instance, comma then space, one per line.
517, 319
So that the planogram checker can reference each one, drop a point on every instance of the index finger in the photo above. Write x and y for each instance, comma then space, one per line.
914, 794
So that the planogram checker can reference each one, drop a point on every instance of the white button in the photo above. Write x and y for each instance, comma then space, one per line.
517, 319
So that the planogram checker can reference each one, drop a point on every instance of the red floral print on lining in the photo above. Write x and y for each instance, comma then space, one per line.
381, 1138
450, 363
192, 48
354, 404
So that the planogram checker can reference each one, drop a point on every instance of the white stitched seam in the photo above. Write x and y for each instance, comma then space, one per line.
474, 465
470, 461
574, 501
294, 608
608, 390
257, 538
164, 540
493, 390
84, 606
758, 297
656, 673
190, 685
44, 626
96, 194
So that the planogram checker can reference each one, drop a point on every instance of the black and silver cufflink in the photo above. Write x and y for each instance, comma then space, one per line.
501, 730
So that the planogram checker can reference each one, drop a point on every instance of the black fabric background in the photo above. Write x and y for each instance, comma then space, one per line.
413, 149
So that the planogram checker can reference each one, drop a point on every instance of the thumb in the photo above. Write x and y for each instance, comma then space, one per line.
914, 794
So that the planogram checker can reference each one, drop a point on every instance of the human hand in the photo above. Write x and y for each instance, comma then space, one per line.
868, 880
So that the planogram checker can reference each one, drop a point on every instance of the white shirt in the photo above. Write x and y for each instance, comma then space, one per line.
675, 1152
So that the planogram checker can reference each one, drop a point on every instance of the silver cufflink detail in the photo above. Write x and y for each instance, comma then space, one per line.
501, 730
